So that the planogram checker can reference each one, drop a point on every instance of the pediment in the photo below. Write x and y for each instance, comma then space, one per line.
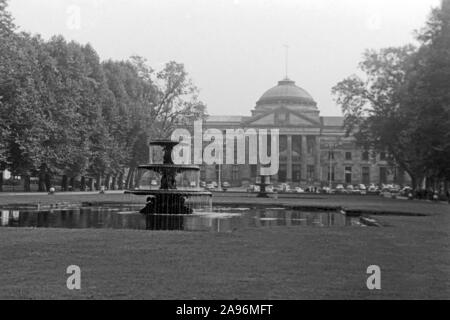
266, 120
284, 117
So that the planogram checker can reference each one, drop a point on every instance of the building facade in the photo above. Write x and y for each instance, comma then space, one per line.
314, 150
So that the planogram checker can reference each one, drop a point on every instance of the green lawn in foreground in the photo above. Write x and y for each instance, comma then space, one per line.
266, 263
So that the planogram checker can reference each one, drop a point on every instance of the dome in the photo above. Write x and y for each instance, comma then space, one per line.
287, 92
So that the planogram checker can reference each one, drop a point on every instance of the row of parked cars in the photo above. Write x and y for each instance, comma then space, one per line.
357, 189
214, 186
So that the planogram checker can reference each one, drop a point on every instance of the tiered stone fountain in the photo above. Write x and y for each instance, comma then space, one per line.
178, 191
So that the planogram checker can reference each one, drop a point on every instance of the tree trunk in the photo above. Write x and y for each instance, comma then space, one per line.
413, 182
129, 178
72, 184
91, 184
108, 182
48, 181
120, 182
64, 183
41, 183
99, 181
27, 183
137, 178
114, 183
1, 181
83, 184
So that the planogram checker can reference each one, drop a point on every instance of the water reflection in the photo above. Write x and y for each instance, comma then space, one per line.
126, 217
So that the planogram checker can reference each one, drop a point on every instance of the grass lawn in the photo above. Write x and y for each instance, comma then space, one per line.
267, 263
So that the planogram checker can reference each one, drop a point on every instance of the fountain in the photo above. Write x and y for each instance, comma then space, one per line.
263, 184
178, 192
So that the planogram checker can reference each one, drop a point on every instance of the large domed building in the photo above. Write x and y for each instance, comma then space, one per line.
314, 149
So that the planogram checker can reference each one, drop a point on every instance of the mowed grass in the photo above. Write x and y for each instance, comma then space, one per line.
267, 263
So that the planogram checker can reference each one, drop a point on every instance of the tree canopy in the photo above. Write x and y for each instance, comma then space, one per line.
402, 105
65, 112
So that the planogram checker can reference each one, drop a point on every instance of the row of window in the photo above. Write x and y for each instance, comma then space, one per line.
365, 156
310, 173
365, 175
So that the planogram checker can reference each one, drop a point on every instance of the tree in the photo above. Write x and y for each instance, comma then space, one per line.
427, 94
65, 113
176, 101
372, 107
7, 28
403, 105
169, 99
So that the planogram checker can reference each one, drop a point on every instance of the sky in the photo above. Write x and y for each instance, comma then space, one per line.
234, 49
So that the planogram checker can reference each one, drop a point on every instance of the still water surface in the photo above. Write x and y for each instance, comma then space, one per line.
127, 217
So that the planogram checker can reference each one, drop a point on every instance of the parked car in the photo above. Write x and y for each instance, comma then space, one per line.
284, 187
363, 189
299, 190
340, 188
326, 190
354, 189
225, 186
350, 189
253, 188
210, 186
373, 188
202, 184
405, 191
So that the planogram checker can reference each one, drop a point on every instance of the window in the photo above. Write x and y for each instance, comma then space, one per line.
382, 156
366, 175
218, 169
253, 170
296, 173
310, 143
330, 155
269, 144
311, 172
333, 173
296, 147
282, 173
283, 147
203, 173
235, 174
365, 156
348, 175
383, 175
348, 156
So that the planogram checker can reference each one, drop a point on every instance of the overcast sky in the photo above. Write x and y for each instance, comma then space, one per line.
233, 49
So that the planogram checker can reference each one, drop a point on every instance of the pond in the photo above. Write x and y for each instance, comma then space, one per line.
220, 219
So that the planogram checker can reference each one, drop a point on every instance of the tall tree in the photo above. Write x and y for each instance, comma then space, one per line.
403, 105
7, 28
177, 98
427, 94
372, 107
65, 113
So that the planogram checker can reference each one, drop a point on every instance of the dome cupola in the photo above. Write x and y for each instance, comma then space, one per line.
288, 93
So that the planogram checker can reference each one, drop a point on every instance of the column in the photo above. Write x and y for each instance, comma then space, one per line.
317, 158
304, 160
289, 159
